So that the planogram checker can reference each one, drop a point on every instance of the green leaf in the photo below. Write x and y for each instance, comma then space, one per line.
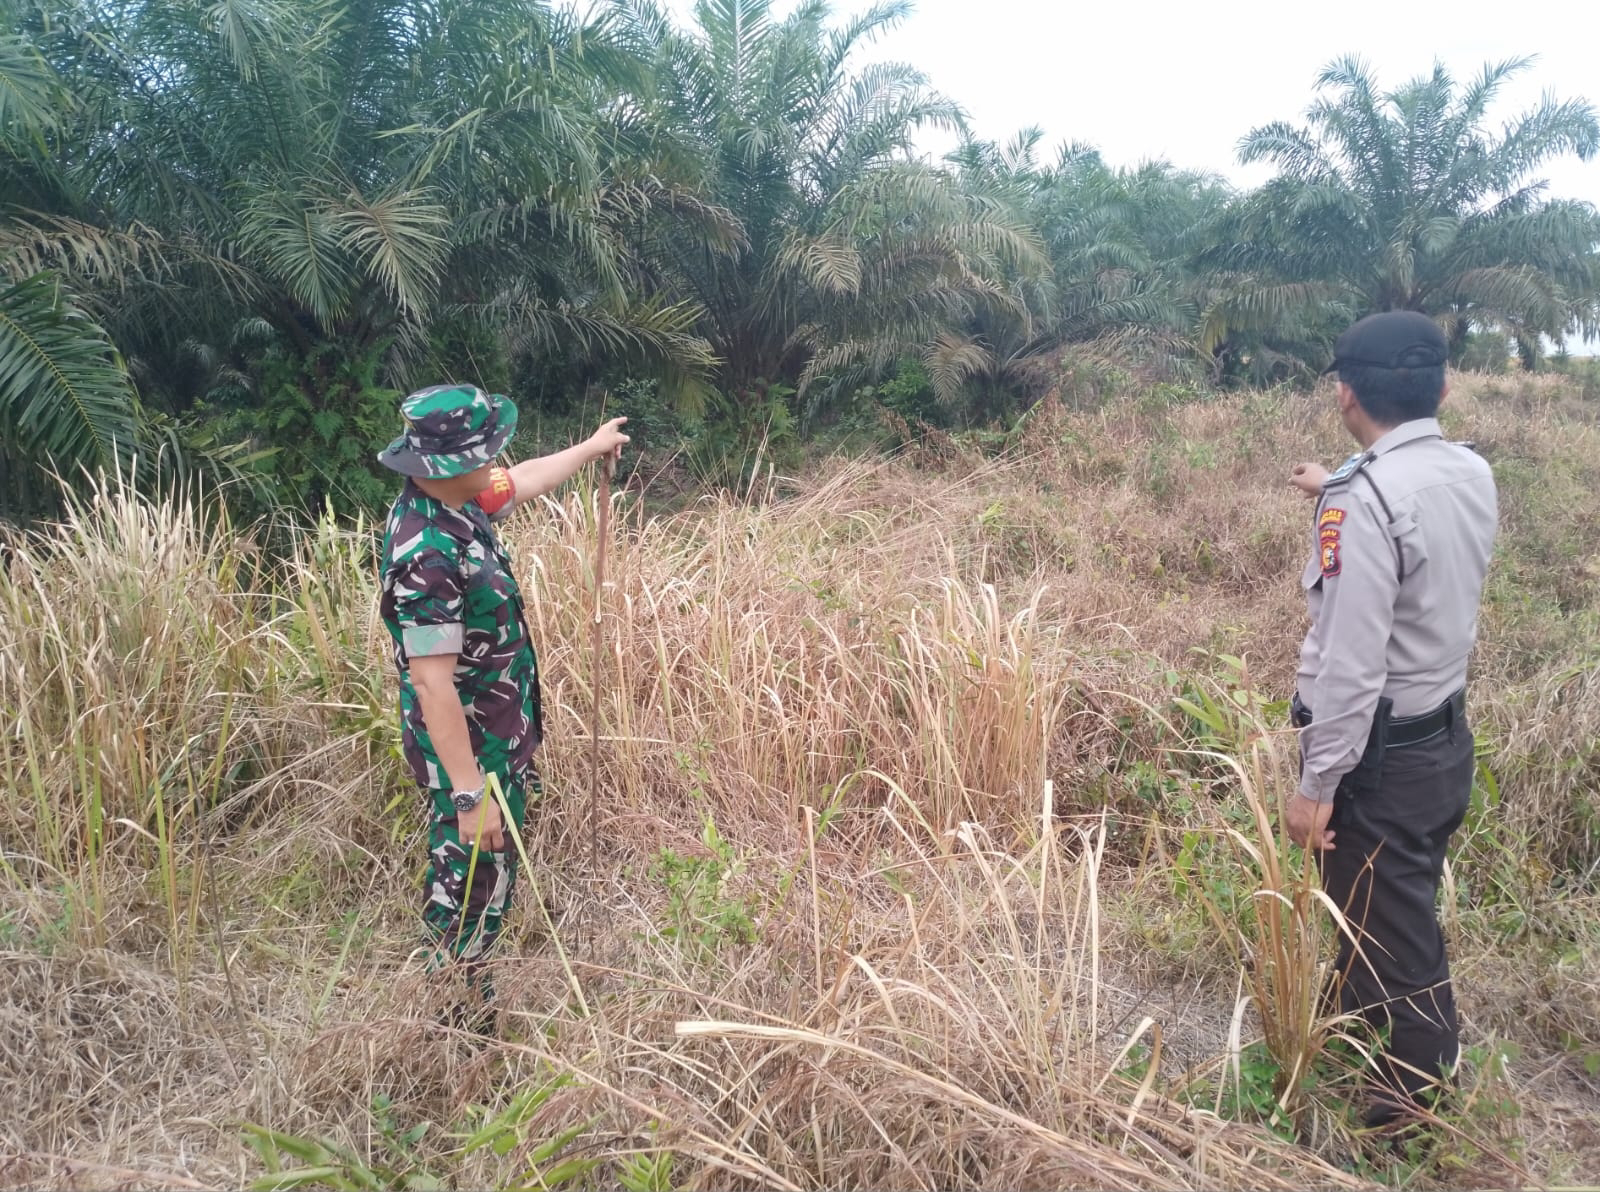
301, 1177
64, 393
517, 1111
400, 240
263, 1146
561, 1173
31, 98
560, 1142
304, 1149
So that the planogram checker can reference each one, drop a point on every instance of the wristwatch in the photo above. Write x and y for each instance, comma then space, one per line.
465, 801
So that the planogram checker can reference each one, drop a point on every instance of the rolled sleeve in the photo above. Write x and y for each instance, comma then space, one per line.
1359, 587
429, 605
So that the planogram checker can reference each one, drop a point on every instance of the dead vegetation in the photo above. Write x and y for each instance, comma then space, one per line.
910, 868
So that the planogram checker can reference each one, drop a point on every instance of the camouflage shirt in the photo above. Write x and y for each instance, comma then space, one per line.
448, 588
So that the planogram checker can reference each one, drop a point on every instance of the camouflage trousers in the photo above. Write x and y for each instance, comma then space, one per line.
466, 896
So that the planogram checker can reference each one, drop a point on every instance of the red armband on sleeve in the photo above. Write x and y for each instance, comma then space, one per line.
499, 494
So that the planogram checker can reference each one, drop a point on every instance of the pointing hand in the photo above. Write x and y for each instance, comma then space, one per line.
1309, 479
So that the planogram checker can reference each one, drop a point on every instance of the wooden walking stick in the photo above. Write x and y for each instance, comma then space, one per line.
607, 467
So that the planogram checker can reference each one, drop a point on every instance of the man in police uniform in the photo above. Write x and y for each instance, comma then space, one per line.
1403, 533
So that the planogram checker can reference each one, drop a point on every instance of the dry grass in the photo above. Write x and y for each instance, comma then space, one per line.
951, 928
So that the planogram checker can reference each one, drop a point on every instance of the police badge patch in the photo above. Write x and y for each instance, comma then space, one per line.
1328, 540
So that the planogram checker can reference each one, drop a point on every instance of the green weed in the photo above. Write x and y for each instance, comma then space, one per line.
701, 914
401, 1165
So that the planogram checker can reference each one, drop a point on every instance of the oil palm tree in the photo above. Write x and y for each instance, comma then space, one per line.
852, 250
1405, 201
1120, 247
346, 174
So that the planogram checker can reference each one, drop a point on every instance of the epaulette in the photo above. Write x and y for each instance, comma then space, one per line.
1343, 473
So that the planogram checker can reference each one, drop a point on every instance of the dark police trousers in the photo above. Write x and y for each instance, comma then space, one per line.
1393, 816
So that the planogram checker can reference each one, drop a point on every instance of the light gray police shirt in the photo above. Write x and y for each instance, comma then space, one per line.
1404, 532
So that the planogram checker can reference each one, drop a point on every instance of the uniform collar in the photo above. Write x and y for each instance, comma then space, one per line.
460, 522
1407, 432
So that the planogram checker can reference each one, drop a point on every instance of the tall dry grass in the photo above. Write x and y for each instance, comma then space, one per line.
763, 656
929, 708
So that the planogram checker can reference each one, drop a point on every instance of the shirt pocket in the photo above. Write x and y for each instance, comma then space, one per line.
485, 601
1311, 577
1409, 542
486, 592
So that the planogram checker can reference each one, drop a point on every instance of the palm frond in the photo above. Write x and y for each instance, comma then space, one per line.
1550, 130
651, 334
64, 392
951, 359
1292, 149
401, 240
33, 241
297, 240
830, 263
1510, 293
244, 27
1254, 308
31, 95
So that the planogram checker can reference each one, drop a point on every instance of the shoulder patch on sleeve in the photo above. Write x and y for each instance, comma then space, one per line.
499, 493
1328, 540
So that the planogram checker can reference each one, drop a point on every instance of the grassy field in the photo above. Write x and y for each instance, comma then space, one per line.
932, 845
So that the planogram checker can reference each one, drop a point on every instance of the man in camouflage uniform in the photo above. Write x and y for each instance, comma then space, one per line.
469, 681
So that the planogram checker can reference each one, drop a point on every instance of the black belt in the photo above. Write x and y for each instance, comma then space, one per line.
1407, 730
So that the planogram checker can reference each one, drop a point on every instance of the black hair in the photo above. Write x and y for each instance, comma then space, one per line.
1391, 396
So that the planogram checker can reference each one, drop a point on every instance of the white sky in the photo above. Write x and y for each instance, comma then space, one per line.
1145, 79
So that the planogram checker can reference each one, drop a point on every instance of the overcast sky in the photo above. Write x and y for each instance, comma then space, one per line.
1145, 79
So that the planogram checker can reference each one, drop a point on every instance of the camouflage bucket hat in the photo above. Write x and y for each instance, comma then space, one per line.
450, 430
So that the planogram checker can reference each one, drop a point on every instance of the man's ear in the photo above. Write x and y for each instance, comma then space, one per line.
1347, 397
1444, 392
